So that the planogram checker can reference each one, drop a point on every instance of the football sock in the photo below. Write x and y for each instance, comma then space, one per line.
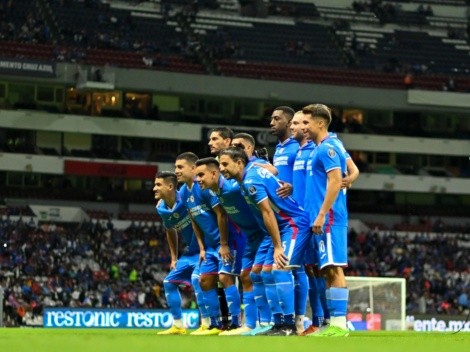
251, 310
271, 295
315, 302
233, 302
260, 298
285, 290
173, 299
300, 290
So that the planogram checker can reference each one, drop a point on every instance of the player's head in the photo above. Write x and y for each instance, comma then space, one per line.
185, 165
244, 141
232, 161
296, 126
219, 138
316, 119
207, 173
280, 121
165, 184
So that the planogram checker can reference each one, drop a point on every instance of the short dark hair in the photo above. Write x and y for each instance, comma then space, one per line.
190, 157
208, 161
235, 153
318, 110
168, 176
246, 136
224, 132
287, 110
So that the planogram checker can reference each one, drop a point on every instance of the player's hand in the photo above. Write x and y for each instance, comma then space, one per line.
280, 258
346, 182
173, 265
317, 227
202, 256
224, 253
285, 190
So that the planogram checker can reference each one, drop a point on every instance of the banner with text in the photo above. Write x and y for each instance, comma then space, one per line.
116, 318
32, 68
88, 168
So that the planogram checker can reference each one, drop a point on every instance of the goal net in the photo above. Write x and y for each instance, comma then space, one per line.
376, 303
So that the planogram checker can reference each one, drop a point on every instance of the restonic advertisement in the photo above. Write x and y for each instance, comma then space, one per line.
115, 318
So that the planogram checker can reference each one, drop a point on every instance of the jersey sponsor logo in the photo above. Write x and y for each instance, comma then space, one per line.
331, 153
252, 190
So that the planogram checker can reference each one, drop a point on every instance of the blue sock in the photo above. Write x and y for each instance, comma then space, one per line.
315, 302
321, 287
251, 311
199, 296
285, 290
260, 298
211, 302
271, 295
233, 301
300, 290
173, 299
338, 301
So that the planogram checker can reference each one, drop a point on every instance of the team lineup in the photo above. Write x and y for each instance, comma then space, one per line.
280, 230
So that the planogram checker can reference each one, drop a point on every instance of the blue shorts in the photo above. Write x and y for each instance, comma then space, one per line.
332, 246
215, 265
256, 256
185, 267
311, 253
295, 242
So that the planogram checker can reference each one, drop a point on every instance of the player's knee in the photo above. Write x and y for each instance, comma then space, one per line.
256, 277
267, 277
207, 282
226, 280
245, 279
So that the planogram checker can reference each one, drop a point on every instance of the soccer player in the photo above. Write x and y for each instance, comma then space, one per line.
258, 243
247, 143
325, 201
286, 222
215, 238
172, 209
284, 158
219, 139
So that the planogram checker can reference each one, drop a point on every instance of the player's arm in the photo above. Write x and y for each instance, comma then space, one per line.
172, 238
353, 174
332, 189
222, 223
200, 240
268, 166
271, 225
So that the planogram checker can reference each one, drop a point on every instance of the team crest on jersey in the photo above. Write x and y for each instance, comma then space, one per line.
281, 150
299, 153
191, 198
252, 190
331, 153
176, 215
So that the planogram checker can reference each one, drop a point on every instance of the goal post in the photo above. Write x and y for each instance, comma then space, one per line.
376, 303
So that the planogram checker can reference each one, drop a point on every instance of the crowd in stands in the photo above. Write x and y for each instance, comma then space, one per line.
87, 265
96, 265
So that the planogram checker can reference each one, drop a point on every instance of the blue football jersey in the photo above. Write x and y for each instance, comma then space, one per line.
284, 158
259, 184
234, 203
178, 218
299, 174
200, 203
324, 158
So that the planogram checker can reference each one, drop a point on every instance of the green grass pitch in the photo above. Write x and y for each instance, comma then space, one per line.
115, 340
